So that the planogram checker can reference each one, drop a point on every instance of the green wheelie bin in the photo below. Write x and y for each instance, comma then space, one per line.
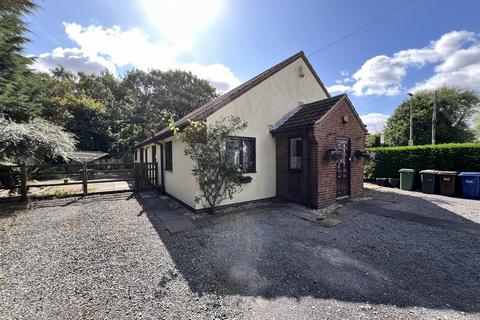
407, 179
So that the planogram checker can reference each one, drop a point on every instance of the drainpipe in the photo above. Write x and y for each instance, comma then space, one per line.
307, 154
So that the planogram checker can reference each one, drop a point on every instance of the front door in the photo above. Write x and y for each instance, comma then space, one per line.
343, 168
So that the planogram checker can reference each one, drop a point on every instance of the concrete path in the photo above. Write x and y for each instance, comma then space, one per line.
174, 220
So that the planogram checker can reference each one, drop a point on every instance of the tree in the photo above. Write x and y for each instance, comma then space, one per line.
66, 104
17, 92
118, 116
21, 94
103, 112
372, 140
37, 140
213, 167
16, 6
158, 96
454, 109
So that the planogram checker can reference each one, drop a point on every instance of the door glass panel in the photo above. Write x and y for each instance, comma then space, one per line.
296, 153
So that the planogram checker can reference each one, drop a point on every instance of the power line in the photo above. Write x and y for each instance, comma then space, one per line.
383, 16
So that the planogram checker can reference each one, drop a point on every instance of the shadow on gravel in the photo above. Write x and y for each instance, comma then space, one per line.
369, 259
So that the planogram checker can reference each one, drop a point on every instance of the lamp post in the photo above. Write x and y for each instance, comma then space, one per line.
434, 116
410, 141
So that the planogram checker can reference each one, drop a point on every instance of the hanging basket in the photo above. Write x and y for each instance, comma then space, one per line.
364, 153
334, 154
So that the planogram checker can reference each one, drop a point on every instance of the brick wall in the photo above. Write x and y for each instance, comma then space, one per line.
326, 134
317, 180
292, 185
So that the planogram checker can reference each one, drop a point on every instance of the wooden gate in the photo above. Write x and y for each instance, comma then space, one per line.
146, 175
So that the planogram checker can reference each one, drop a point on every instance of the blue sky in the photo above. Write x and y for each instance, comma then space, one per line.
426, 44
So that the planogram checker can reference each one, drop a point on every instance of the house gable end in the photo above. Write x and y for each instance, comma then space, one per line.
354, 112
213, 106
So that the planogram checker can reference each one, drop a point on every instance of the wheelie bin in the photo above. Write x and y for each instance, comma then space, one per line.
407, 179
470, 184
447, 181
428, 180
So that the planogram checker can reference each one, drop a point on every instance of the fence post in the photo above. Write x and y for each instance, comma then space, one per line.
23, 181
84, 180
137, 176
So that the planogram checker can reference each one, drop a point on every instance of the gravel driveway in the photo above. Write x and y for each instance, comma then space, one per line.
108, 258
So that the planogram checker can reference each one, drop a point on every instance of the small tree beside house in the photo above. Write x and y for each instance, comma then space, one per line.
209, 146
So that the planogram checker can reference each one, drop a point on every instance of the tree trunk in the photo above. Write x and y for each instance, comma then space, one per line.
212, 210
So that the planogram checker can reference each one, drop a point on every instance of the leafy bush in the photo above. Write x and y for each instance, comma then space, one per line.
213, 167
37, 140
453, 156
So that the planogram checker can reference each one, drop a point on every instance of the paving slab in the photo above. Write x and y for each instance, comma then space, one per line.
167, 215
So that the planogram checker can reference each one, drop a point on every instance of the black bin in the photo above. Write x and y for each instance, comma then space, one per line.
447, 181
382, 182
428, 180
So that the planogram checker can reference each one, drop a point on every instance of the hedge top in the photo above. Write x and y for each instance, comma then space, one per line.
429, 146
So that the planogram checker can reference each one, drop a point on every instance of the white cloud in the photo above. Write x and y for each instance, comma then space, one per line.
344, 73
339, 88
380, 75
74, 59
457, 55
375, 121
98, 47
218, 75
461, 69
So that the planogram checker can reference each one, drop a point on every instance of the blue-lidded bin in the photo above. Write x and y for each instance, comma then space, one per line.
470, 184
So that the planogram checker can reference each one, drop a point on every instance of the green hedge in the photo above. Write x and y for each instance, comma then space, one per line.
453, 156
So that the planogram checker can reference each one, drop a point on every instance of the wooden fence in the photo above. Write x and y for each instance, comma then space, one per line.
142, 175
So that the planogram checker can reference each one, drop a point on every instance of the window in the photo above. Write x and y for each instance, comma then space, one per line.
243, 153
295, 153
141, 155
146, 154
135, 155
168, 156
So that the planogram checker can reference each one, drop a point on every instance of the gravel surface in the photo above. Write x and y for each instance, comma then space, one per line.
432, 205
108, 258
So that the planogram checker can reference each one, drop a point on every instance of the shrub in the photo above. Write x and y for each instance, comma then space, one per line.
207, 145
37, 140
454, 156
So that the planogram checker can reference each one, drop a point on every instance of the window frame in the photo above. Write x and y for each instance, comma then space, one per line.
252, 139
169, 156
289, 154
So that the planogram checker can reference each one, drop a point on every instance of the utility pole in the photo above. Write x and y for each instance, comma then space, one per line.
434, 116
410, 140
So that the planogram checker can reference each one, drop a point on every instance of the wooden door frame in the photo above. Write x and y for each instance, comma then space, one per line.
162, 170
